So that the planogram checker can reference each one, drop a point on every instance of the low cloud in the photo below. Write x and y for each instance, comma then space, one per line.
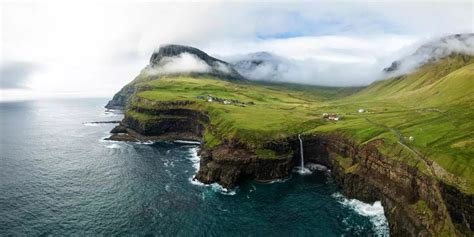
306, 71
343, 61
432, 50
183, 63
15, 75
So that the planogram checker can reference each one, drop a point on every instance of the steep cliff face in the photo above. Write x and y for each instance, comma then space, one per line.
231, 163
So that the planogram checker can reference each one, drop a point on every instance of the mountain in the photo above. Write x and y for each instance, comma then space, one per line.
197, 62
432, 51
174, 60
438, 73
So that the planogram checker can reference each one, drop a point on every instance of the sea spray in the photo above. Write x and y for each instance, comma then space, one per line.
195, 159
374, 211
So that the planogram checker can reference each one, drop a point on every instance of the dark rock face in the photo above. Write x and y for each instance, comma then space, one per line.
230, 164
460, 207
218, 67
393, 67
120, 99
173, 50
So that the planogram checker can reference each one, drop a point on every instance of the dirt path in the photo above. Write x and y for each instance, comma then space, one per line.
401, 141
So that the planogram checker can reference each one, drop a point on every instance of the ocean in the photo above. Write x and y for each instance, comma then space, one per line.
58, 176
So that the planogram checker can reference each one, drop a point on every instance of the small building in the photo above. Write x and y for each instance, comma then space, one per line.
334, 117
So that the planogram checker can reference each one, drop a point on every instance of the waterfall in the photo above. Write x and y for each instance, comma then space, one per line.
302, 169
301, 153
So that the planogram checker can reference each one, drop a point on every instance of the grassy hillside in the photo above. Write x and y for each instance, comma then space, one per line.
433, 105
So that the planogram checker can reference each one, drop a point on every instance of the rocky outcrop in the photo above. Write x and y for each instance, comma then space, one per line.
460, 207
230, 163
120, 99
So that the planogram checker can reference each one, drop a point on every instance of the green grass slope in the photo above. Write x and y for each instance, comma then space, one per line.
434, 105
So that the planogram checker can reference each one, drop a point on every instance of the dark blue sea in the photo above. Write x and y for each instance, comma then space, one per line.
58, 176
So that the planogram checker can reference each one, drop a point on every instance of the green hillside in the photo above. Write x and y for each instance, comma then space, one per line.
432, 105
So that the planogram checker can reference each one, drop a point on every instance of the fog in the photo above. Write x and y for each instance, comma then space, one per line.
183, 63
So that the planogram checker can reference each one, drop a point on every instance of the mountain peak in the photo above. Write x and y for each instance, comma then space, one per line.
179, 59
174, 50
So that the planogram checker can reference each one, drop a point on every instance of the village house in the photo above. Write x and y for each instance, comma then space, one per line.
333, 117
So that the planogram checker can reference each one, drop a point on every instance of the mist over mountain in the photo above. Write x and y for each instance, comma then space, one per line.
431, 51
262, 66
173, 59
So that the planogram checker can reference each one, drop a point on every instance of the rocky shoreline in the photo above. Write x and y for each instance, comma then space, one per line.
415, 203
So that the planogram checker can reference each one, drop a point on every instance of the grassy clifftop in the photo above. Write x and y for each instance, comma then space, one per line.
425, 118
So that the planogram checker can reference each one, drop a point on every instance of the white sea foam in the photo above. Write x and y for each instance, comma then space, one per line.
195, 159
374, 211
91, 124
187, 142
277, 181
214, 187
113, 146
318, 167
145, 142
302, 171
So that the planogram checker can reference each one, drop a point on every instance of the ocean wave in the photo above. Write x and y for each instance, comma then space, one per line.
194, 158
91, 124
217, 188
374, 211
113, 146
187, 142
144, 142
277, 181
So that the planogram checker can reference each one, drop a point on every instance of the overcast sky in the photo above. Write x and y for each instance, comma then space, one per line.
53, 49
